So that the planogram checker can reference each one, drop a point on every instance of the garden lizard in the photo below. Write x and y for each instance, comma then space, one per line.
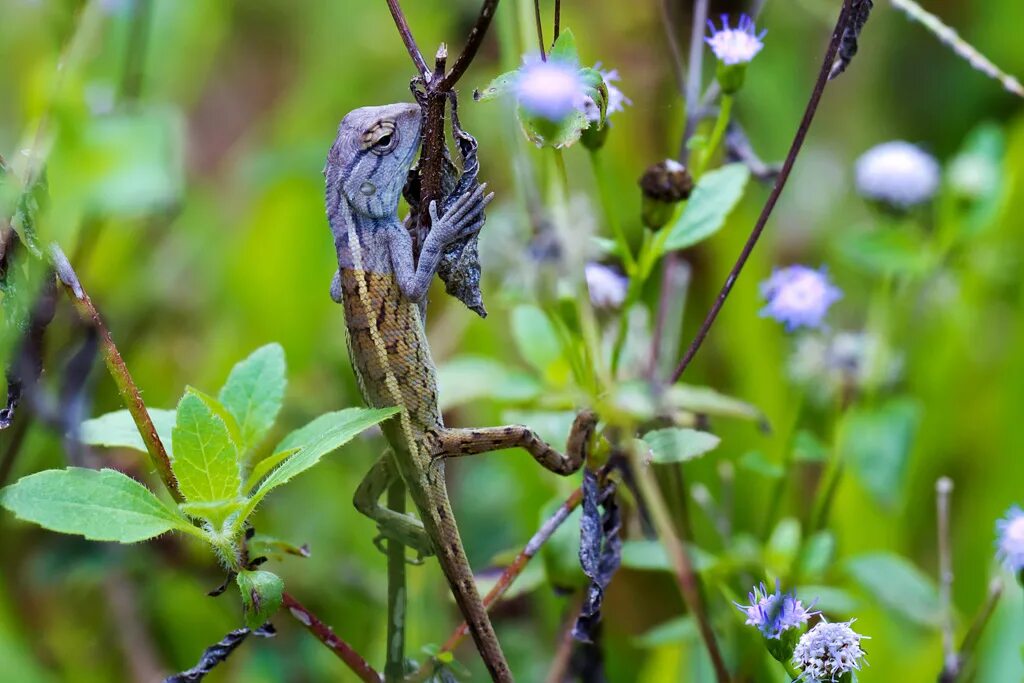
382, 286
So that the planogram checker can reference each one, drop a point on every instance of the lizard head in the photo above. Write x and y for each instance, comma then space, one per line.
371, 157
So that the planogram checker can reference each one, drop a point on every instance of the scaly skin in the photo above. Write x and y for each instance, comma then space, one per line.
382, 292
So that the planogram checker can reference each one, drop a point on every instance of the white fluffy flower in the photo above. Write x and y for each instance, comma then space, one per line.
551, 89
897, 173
735, 45
607, 287
617, 100
828, 651
798, 296
1011, 539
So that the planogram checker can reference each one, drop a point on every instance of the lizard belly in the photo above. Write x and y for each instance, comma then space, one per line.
385, 335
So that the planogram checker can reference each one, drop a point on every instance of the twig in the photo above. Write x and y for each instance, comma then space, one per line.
513, 570
540, 29
325, 635
558, 18
943, 489
476, 37
685, 575
126, 386
773, 197
410, 43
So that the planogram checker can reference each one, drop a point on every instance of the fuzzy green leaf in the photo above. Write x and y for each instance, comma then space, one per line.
714, 198
101, 505
254, 392
264, 466
357, 420
679, 445
118, 430
262, 593
205, 457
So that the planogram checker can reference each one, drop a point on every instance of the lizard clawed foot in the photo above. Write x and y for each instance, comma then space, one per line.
465, 217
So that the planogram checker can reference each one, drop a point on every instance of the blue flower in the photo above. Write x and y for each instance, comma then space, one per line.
735, 45
1011, 539
897, 173
798, 296
773, 613
828, 652
606, 285
551, 90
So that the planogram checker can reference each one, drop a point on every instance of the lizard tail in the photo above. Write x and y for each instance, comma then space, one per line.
455, 565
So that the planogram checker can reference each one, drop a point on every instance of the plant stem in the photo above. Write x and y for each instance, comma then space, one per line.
943, 490
410, 43
538, 22
973, 635
685, 575
359, 666
717, 133
773, 197
608, 206
394, 666
126, 386
694, 77
473, 41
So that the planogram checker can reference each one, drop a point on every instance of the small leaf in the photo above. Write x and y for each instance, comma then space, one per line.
357, 420
264, 466
537, 342
564, 49
807, 448
254, 392
679, 445
261, 595
877, 444
205, 458
458, 382
118, 430
101, 505
899, 586
677, 630
707, 401
817, 555
215, 512
218, 409
499, 86
651, 555
783, 545
714, 198
755, 461
315, 428
898, 250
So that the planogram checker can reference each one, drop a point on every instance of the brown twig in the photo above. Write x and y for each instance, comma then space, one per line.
126, 386
359, 666
558, 19
538, 20
410, 43
473, 42
773, 197
513, 570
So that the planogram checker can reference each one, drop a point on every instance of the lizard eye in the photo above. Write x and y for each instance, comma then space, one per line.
387, 139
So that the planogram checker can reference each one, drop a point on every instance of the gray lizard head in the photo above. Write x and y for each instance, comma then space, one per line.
371, 157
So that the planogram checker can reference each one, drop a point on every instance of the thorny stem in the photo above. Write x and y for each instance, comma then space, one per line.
685, 575
773, 197
943, 489
126, 386
538, 21
359, 666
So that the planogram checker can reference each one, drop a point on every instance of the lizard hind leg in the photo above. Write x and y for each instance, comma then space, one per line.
394, 526
454, 443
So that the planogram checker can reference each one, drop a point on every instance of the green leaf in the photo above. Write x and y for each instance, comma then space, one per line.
782, 547
357, 420
707, 401
817, 555
205, 458
834, 602
314, 429
714, 198
264, 466
651, 555
542, 132
254, 392
538, 344
262, 593
679, 445
216, 512
564, 49
458, 382
807, 448
899, 586
976, 174
899, 250
118, 430
101, 505
677, 630
877, 444
756, 461
499, 86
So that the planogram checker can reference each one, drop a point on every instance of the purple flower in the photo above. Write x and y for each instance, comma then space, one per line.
798, 296
1011, 539
607, 287
735, 45
897, 173
773, 613
551, 89
828, 652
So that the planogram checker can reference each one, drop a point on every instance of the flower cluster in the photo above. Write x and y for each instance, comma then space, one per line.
1011, 539
898, 174
828, 652
735, 45
553, 89
798, 296
774, 613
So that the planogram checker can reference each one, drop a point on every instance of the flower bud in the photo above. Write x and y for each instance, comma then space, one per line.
664, 185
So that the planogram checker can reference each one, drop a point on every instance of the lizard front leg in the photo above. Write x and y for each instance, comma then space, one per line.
395, 526
465, 217
453, 443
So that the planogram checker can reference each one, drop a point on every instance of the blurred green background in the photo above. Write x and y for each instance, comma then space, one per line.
192, 210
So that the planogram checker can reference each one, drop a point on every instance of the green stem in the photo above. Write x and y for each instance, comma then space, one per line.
717, 133
394, 666
610, 216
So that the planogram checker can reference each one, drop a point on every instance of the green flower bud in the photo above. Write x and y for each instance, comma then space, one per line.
664, 185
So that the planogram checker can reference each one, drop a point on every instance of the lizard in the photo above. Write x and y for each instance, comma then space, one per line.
382, 288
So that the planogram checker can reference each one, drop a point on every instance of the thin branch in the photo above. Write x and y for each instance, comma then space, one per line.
558, 19
694, 77
512, 571
540, 28
780, 183
410, 43
359, 666
126, 386
473, 42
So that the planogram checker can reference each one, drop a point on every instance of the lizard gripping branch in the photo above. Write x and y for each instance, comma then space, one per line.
383, 288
